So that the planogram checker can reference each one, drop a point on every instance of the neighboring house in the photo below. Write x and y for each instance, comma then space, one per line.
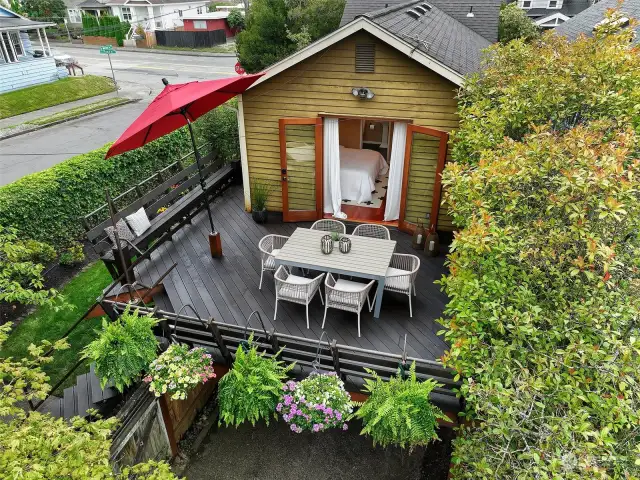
151, 14
19, 65
481, 16
93, 7
585, 21
320, 124
551, 13
74, 13
208, 21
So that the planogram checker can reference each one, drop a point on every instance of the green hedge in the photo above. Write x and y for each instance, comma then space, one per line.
48, 205
105, 26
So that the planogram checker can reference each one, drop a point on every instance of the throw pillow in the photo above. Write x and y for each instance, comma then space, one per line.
139, 222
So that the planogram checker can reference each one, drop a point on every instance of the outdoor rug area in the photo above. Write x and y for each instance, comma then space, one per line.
274, 452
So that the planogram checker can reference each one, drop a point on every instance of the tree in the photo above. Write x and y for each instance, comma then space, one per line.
39, 446
235, 19
315, 17
544, 282
52, 9
21, 278
513, 23
264, 41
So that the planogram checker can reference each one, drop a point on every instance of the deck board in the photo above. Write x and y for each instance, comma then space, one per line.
227, 289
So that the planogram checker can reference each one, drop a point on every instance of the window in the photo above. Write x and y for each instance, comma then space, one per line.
180, 13
553, 4
526, 4
200, 24
8, 39
74, 15
199, 10
17, 43
126, 14
365, 58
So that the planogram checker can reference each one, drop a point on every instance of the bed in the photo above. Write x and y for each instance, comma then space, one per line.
359, 169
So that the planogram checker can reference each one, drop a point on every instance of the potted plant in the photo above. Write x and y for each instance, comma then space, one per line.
317, 403
124, 348
178, 371
259, 196
252, 388
399, 412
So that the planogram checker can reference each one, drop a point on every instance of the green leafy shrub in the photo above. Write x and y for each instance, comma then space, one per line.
123, 349
72, 255
47, 206
399, 412
317, 403
179, 370
544, 282
39, 446
220, 128
252, 388
21, 270
514, 23
235, 19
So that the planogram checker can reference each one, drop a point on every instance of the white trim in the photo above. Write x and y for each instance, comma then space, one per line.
244, 159
380, 33
555, 16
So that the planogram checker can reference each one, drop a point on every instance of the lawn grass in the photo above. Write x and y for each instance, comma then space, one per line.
49, 94
225, 48
72, 112
46, 324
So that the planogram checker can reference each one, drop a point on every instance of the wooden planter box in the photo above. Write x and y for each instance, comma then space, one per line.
96, 40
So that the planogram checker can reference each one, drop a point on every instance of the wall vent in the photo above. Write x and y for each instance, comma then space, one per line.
365, 57
426, 6
420, 9
413, 14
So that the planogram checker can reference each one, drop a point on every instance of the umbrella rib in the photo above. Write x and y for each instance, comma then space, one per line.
146, 135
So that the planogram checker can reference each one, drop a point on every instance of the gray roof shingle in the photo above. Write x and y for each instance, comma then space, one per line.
484, 22
435, 33
584, 22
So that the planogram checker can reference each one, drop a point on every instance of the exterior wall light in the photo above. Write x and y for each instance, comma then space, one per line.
362, 92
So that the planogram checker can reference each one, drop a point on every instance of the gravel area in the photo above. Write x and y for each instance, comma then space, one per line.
274, 452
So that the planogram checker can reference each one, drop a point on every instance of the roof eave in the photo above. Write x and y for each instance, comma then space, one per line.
362, 23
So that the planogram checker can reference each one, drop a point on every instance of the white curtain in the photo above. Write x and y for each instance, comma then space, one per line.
394, 190
331, 168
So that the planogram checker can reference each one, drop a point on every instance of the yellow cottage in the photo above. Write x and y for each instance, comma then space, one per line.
355, 126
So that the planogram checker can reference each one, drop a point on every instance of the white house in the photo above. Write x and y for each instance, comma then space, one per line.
20, 65
151, 14
551, 13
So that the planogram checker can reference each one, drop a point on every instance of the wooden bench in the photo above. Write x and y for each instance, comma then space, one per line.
182, 196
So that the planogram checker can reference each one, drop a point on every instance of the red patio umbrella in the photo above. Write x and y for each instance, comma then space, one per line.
176, 106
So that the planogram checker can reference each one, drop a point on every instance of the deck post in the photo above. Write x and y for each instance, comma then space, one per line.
275, 344
215, 331
335, 356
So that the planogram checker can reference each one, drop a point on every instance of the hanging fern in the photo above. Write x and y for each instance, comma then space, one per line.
252, 388
398, 412
123, 349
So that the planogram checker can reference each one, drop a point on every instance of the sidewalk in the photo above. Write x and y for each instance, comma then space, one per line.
143, 50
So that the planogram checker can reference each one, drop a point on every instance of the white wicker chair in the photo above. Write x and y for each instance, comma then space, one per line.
372, 230
293, 288
346, 295
269, 246
401, 275
329, 225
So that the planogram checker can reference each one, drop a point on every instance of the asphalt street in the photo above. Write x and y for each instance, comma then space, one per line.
138, 75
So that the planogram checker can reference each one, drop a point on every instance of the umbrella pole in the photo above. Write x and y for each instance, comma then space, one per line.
215, 243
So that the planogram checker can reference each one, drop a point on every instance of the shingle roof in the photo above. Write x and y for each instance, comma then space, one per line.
569, 8
484, 22
584, 22
13, 20
435, 33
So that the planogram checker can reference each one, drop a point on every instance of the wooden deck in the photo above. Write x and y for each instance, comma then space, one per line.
227, 289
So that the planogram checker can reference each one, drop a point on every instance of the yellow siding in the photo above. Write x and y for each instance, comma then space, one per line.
322, 83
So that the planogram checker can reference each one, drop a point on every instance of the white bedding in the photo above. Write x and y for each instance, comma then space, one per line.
359, 169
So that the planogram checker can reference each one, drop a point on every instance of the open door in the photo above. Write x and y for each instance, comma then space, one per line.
424, 159
301, 168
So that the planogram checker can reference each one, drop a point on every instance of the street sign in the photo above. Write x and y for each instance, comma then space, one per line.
108, 49
239, 69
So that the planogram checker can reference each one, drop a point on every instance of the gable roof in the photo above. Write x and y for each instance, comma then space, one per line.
584, 22
484, 20
435, 33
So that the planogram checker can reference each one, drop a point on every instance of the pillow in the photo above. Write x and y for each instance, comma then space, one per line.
123, 232
139, 222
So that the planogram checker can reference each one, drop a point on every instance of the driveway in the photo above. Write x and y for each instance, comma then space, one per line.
139, 75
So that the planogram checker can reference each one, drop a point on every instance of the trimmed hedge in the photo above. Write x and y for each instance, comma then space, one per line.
47, 206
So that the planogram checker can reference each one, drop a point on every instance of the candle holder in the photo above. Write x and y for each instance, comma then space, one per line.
326, 244
345, 245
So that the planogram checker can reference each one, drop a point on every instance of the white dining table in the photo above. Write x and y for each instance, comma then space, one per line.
369, 257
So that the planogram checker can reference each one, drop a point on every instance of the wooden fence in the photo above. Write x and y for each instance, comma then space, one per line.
204, 39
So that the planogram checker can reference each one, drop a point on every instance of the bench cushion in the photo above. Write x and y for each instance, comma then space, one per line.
123, 232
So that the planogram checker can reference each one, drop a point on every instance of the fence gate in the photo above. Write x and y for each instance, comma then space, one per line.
172, 38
